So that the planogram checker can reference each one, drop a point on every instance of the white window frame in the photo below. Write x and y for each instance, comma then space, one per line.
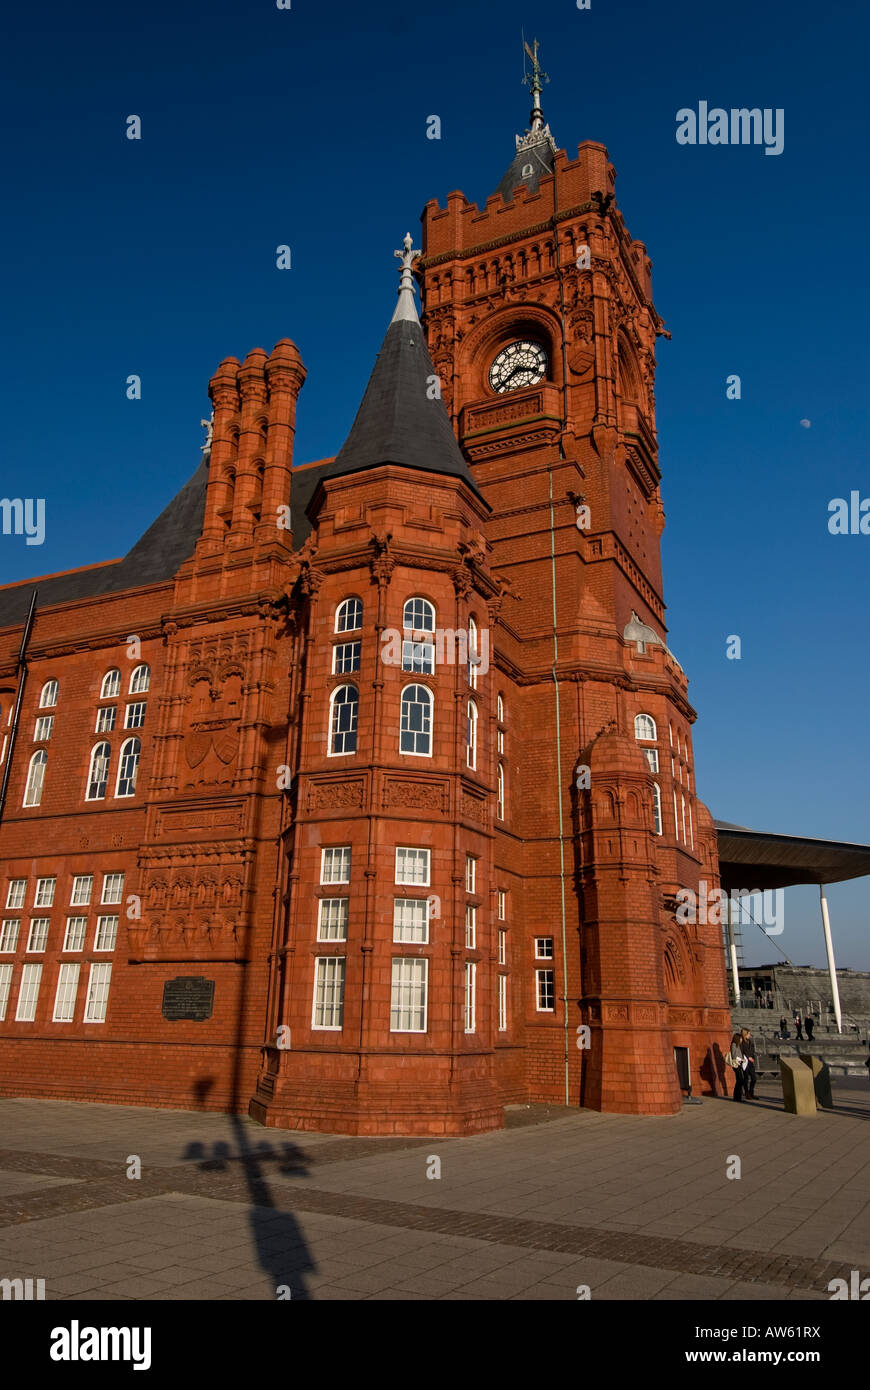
473, 651
332, 919
470, 999
413, 932
499, 709
44, 892
339, 658
407, 703
5, 989
10, 930
66, 993
110, 884
470, 927
642, 722
35, 785
48, 695
96, 1002
106, 759
502, 946
28, 993
17, 892
328, 856
43, 729
541, 951
336, 733
111, 686
107, 929
409, 973
106, 717
539, 979
652, 758
470, 873
78, 901
657, 809
340, 624
499, 793
416, 851
76, 931
140, 680
502, 1003
502, 904
124, 760
132, 712
37, 936
330, 979
471, 735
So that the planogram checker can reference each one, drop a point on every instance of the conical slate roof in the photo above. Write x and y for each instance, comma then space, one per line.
402, 418
533, 159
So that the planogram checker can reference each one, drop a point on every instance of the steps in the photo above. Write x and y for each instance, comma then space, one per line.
844, 1053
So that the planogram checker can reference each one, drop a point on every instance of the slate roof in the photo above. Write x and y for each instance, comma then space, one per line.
167, 543
397, 421
542, 157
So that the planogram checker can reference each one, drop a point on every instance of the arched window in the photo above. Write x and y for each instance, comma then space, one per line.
98, 775
140, 680
499, 792
348, 615
657, 808
499, 709
416, 726
473, 654
36, 777
471, 736
48, 698
418, 617
343, 712
111, 684
645, 727
128, 768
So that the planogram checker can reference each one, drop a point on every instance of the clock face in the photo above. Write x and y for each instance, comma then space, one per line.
519, 364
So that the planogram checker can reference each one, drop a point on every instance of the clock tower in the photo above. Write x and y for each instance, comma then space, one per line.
540, 323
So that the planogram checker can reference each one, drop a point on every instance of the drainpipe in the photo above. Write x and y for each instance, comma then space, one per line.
21, 672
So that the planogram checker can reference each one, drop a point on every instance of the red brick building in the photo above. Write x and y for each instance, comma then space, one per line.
358, 794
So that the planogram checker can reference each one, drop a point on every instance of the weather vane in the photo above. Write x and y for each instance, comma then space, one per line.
536, 77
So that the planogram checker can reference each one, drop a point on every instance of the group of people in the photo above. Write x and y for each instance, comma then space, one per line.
808, 1024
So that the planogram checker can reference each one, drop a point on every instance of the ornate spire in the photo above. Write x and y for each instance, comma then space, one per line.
535, 80
407, 305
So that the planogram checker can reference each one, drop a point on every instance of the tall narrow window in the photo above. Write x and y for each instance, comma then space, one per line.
107, 933
37, 939
545, 981
470, 927
499, 709
416, 728
332, 919
98, 776
502, 1003
28, 993
502, 946
502, 904
343, 713
140, 680
411, 919
408, 995
470, 873
67, 988
473, 653
471, 735
676, 818
106, 719
328, 1012
683, 817
5, 987
74, 940
645, 728
470, 996
98, 993
35, 778
499, 792
418, 652
17, 890
48, 696
81, 890
335, 865
113, 888
111, 684
44, 896
691, 831
348, 615
128, 767
44, 726
657, 808
9, 935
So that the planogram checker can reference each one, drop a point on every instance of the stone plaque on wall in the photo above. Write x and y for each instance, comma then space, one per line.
188, 997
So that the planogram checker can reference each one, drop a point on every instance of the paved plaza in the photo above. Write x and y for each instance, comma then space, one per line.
632, 1207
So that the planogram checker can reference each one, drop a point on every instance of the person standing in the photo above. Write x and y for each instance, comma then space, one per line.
750, 1076
783, 1027
798, 1025
809, 1024
736, 1059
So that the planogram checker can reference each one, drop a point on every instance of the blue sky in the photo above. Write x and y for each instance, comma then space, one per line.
308, 127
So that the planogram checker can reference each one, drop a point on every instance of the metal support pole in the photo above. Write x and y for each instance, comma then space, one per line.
732, 951
832, 968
